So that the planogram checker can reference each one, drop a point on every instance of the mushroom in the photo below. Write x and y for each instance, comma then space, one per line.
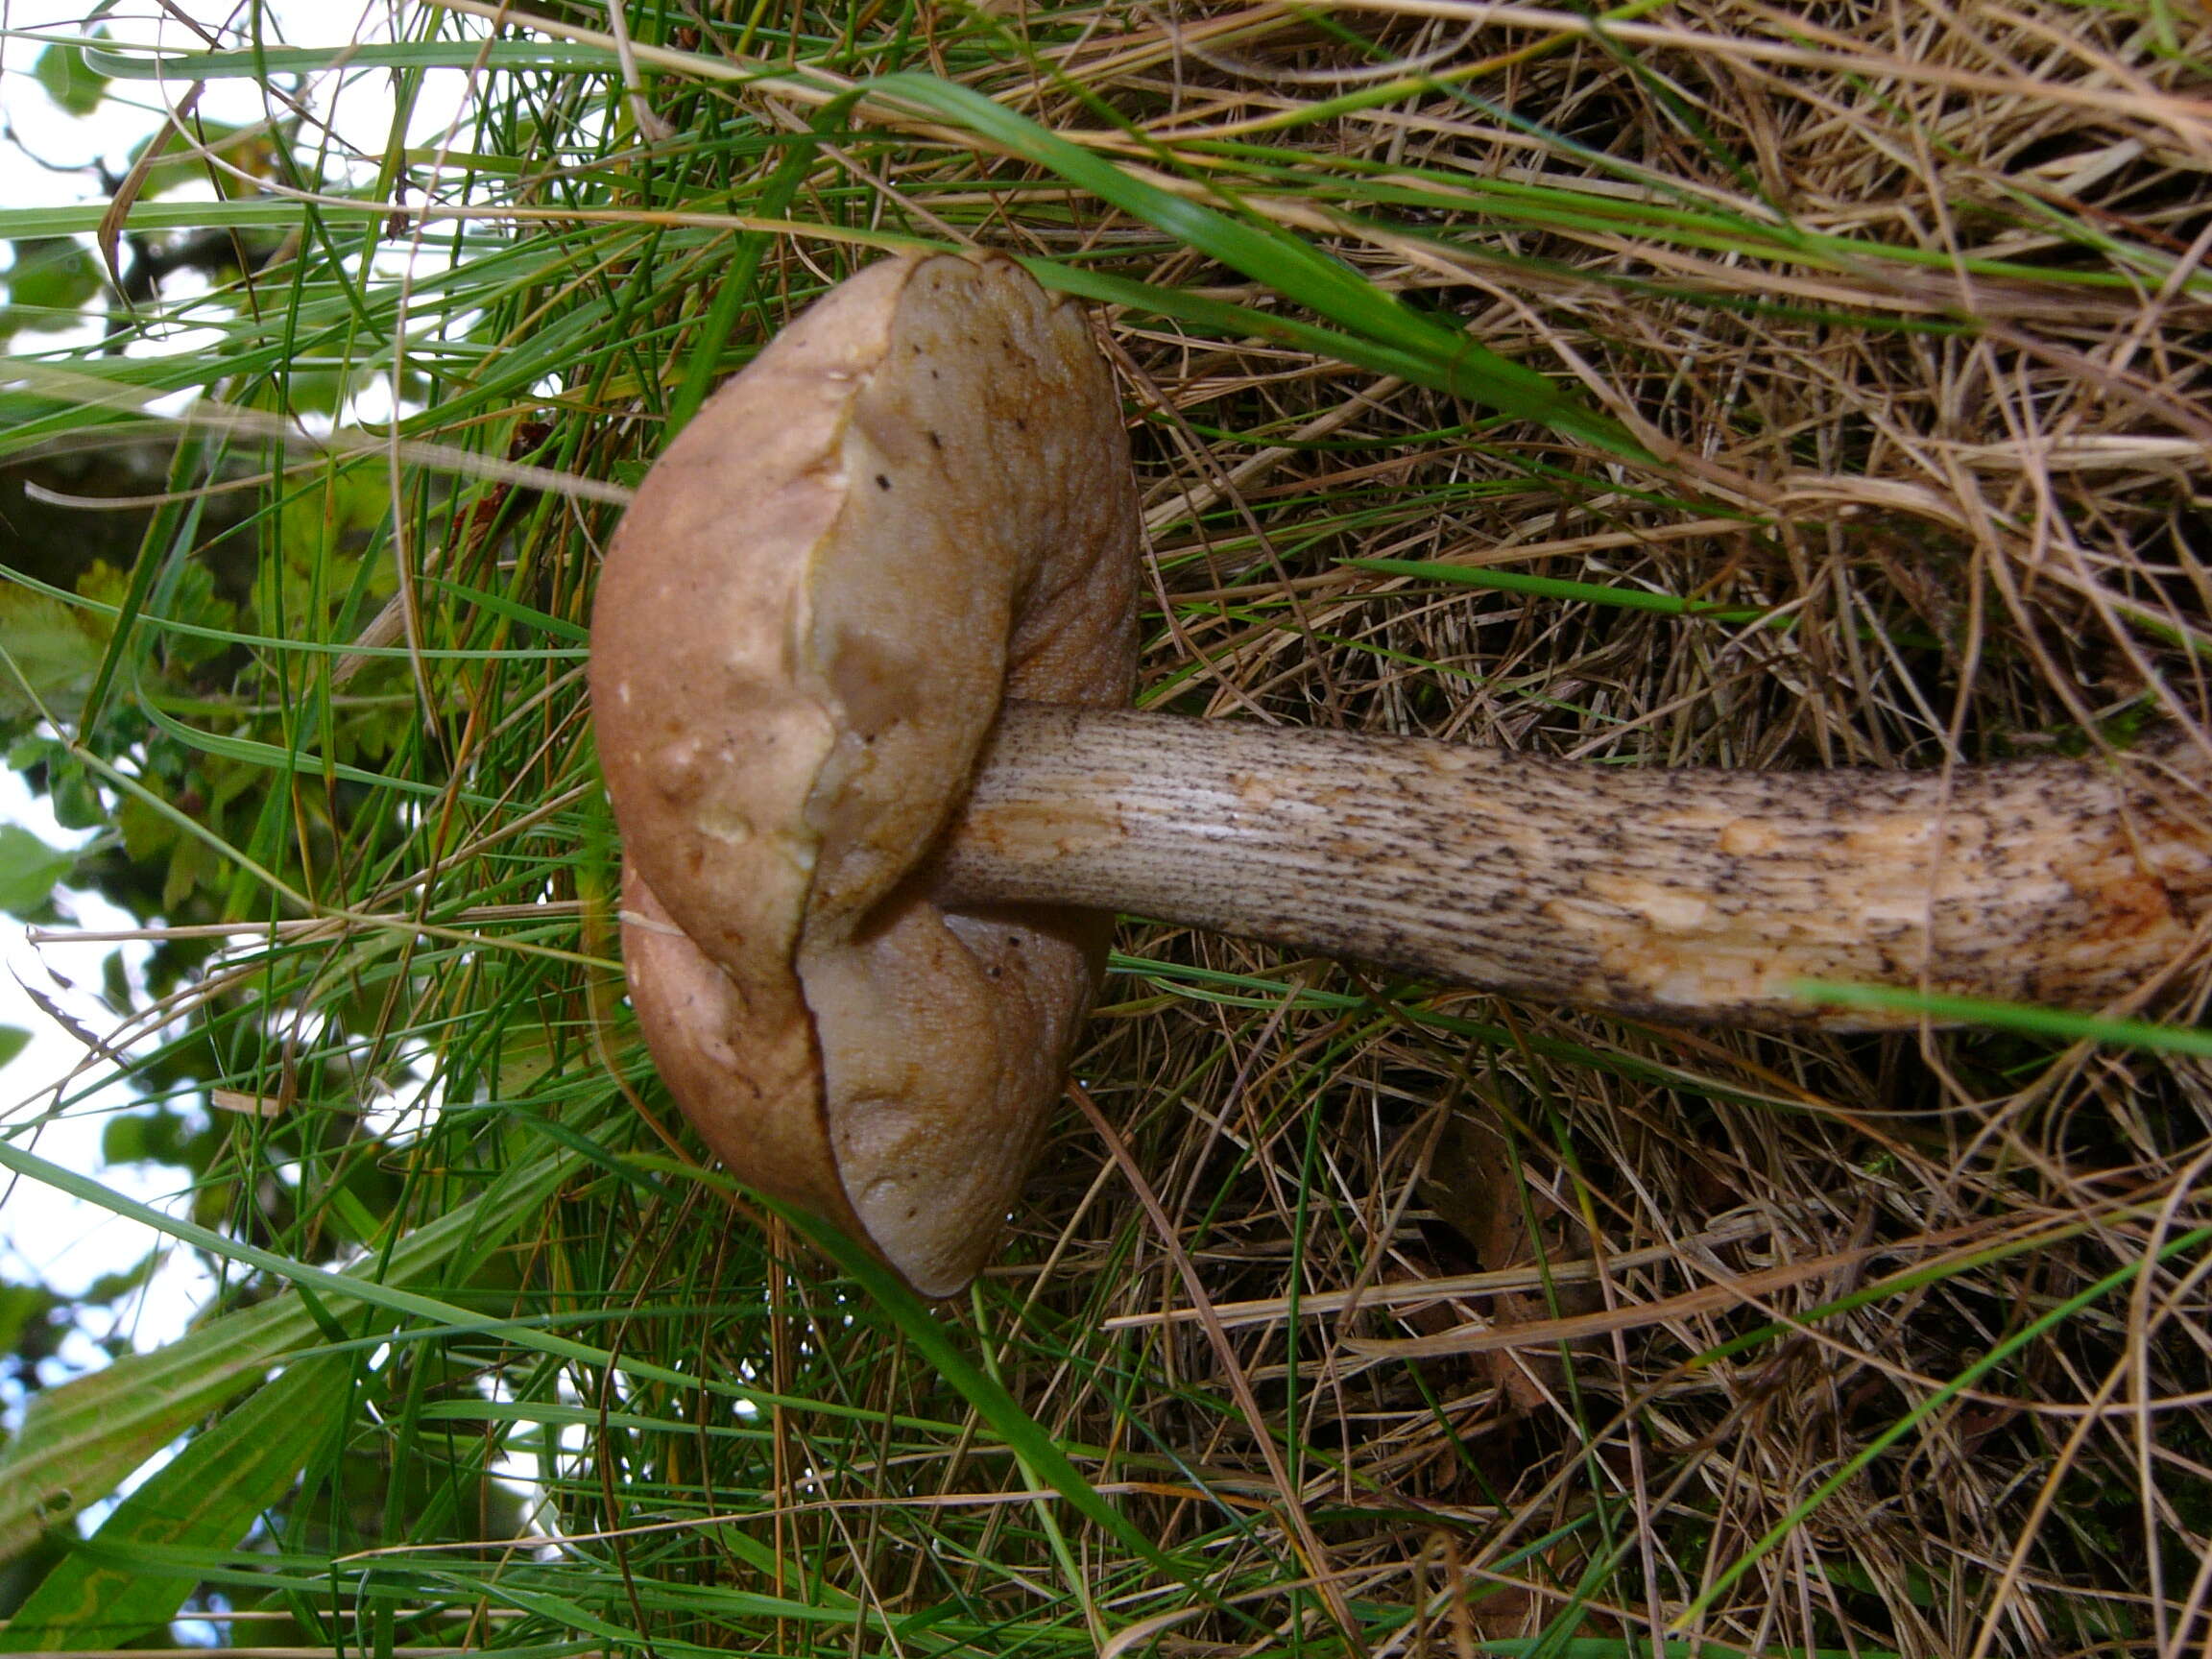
857, 661
916, 501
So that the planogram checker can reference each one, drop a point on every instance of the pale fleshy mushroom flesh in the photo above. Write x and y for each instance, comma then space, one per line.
855, 664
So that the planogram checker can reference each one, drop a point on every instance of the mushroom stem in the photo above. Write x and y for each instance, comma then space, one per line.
1686, 894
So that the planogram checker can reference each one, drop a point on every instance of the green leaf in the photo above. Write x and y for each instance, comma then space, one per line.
21, 1305
114, 1588
80, 1439
12, 1038
110, 1288
145, 1137
48, 649
48, 284
28, 870
69, 80
188, 596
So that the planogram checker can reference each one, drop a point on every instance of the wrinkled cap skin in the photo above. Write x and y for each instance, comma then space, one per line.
915, 502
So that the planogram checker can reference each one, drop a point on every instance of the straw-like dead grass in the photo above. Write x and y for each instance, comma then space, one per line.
1792, 1332
1377, 1319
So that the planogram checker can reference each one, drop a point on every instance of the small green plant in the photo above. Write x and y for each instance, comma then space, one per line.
1648, 386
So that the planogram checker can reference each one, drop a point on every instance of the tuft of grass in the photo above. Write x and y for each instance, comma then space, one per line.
1666, 386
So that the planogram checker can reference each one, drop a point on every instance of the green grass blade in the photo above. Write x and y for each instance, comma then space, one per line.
80, 1439
1029, 1440
1554, 587
112, 1590
1936, 1400
2056, 1023
1444, 357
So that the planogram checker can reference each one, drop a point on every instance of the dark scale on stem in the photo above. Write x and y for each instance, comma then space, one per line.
1697, 894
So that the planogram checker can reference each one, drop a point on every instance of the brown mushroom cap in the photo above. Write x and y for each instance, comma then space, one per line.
915, 503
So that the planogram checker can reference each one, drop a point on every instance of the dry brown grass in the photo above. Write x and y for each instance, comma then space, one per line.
1399, 1321
1974, 485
